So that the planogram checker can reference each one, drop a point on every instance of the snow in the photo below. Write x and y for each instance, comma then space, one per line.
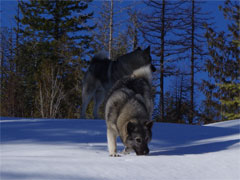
71, 149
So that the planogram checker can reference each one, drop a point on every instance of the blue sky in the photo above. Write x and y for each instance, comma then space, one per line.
8, 10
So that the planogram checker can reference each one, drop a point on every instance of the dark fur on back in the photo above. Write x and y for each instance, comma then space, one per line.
107, 70
126, 64
99, 68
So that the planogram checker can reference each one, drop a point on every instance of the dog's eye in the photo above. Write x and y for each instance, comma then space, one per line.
130, 139
138, 140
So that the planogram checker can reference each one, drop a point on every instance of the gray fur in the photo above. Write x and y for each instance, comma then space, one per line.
128, 112
103, 73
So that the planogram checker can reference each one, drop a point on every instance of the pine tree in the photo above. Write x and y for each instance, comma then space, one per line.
223, 67
8, 75
56, 35
51, 20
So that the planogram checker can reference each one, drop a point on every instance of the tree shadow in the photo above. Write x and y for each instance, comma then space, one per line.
196, 149
54, 131
172, 139
19, 176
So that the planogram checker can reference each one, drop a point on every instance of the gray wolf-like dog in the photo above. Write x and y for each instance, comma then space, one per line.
103, 73
128, 112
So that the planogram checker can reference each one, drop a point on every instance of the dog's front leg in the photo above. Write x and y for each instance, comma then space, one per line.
112, 142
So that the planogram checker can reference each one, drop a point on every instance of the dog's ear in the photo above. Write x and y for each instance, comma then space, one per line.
149, 124
130, 127
147, 50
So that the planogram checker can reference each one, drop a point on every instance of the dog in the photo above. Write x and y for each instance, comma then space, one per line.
128, 112
103, 73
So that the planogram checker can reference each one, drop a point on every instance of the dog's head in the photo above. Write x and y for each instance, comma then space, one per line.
139, 135
145, 57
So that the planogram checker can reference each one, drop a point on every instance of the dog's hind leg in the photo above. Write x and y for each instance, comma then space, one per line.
90, 86
86, 98
98, 100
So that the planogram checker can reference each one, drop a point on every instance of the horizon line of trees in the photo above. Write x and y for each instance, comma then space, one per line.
43, 59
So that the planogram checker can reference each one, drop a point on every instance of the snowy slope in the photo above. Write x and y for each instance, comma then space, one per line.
45, 149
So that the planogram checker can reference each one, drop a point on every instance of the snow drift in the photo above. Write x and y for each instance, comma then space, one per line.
37, 149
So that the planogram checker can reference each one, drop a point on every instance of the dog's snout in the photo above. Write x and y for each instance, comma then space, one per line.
145, 152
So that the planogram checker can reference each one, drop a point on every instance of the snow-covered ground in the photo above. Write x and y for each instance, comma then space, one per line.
45, 149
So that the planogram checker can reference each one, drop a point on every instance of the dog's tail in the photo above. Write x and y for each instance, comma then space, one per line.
143, 72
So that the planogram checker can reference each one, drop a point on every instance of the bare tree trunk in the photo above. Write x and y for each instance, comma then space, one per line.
41, 102
181, 98
17, 34
19, 107
162, 61
2, 63
135, 41
192, 64
135, 35
110, 31
50, 95
133, 28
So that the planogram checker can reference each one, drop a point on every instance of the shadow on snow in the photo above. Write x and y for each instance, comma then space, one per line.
168, 139
54, 131
175, 139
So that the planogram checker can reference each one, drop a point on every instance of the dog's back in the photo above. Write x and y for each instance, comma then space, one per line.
99, 66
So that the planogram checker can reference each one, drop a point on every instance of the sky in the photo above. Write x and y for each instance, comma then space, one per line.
8, 11
9, 7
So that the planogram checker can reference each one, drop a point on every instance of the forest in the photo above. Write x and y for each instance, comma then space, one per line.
45, 55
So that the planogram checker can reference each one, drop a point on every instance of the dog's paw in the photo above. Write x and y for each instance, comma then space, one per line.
126, 151
115, 155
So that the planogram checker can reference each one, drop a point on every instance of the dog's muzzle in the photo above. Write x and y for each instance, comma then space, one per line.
144, 152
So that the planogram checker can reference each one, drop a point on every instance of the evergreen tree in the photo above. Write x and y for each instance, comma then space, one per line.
223, 67
52, 20
8, 75
56, 36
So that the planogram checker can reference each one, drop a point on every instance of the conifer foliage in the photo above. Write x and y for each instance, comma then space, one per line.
55, 42
224, 65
